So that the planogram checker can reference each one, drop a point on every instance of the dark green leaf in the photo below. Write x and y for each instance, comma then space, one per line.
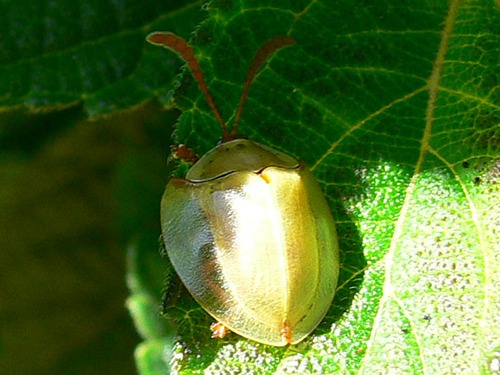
58, 54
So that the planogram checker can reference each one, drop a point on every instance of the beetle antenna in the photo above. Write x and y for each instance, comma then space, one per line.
262, 55
181, 47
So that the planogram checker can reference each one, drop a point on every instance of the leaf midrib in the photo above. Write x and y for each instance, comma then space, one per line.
433, 87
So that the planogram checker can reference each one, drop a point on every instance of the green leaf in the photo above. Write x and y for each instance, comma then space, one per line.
62, 53
145, 279
395, 107
62, 236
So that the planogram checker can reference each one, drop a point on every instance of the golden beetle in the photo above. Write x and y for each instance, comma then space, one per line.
248, 229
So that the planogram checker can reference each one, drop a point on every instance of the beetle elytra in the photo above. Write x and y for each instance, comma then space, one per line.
248, 230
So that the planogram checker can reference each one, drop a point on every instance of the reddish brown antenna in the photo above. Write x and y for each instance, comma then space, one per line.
179, 45
262, 54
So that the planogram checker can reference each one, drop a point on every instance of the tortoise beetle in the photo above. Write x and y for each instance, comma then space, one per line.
248, 230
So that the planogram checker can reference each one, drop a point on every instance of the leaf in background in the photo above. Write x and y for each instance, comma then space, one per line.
60, 53
395, 107
62, 266
146, 276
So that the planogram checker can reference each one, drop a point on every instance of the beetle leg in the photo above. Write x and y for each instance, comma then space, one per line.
184, 153
219, 330
286, 331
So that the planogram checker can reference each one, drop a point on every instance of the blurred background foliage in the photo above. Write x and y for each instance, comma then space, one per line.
83, 149
70, 202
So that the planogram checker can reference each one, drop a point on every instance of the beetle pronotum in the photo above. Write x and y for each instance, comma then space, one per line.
248, 230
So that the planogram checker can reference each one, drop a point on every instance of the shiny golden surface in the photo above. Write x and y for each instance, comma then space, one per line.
258, 251
238, 155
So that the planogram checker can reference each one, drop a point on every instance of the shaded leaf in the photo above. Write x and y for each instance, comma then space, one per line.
58, 54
